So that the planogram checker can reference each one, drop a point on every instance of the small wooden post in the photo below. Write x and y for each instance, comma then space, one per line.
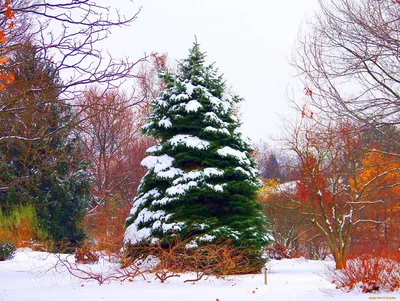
265, 276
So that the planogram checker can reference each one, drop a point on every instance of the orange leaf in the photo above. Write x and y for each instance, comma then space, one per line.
3, 38
10, 78
2, 87
3, 60
9, 13
11, 25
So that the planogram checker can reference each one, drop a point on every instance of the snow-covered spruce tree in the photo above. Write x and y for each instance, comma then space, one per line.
201, 182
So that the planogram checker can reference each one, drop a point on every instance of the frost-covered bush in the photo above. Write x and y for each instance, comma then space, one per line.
7, 250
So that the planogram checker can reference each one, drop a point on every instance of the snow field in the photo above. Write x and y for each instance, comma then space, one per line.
33, 276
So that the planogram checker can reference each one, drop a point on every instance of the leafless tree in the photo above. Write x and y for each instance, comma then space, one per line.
333, 192
348, 59
68, 34
111, 133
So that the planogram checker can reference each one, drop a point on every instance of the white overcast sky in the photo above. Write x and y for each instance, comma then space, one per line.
250, 41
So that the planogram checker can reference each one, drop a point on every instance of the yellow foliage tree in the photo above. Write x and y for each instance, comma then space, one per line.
379, 183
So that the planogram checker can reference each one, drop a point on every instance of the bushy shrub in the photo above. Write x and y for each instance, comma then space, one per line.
278, 251
217, 259
368, 274
20, 225
85, 255
7, 250
104, 227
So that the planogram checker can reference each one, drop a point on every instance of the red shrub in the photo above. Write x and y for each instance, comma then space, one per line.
368, 274
278, 251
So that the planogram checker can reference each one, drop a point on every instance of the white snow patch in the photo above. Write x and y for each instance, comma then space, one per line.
161, 102
180, 188
213, 129
226, 97
211, 116
211, 171
192, 106
158, 163
207, 238
192, 245
157, 224
132, 235
163, 201
142, 199
182, 96
146, 125
35, 276
189, 141
224, 105
172, 226
189, 88
218, 187
146, 215
245, 172
170, 173
192, 175
227, 151
154, 149
288, 187
165, 122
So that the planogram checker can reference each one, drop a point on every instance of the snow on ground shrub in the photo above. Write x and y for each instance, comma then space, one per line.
368, 274
7, 250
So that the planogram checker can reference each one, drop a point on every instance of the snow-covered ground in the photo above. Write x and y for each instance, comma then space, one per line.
33, 276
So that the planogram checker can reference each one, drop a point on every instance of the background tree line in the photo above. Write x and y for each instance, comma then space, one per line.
70, 150
344, 198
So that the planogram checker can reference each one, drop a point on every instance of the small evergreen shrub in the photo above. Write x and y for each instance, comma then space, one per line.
7, 250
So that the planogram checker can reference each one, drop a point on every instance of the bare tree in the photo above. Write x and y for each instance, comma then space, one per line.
114, 144
333, 192
68, 35
110, 126
69, 32
349, 60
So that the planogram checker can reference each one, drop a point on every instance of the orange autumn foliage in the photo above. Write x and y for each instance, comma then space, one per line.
379, 180
3, 38
6, 78
9, 13
381, 169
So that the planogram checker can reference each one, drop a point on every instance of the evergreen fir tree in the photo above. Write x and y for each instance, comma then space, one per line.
201, 182
41, 163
